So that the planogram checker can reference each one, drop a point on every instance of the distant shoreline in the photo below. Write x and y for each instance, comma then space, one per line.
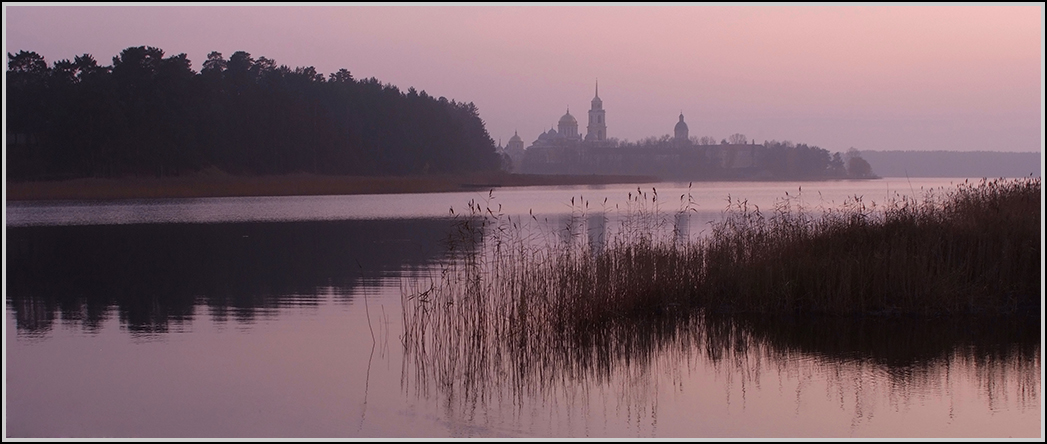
226, 185
223, 185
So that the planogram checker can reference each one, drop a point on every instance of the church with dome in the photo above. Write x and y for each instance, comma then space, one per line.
566, 131
563, 142
566, 134
564, 149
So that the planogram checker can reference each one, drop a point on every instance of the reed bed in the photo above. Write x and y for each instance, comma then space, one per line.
973, 250
514, 305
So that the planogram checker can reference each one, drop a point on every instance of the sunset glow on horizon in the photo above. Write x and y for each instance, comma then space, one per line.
524, 221
872, 77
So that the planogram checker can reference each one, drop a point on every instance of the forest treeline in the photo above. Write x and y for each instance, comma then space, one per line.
151, 115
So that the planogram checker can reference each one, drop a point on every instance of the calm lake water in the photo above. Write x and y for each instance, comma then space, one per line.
282, 317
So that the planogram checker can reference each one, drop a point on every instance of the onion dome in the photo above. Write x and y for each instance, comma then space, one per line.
568, 119
680, 126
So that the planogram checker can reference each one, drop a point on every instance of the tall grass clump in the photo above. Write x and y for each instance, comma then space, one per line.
518, 303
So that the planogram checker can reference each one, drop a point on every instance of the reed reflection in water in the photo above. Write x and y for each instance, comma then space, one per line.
494, 329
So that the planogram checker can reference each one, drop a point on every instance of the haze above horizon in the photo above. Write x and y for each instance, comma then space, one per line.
872, 77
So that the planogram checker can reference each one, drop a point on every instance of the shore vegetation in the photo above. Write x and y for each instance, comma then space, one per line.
519, 307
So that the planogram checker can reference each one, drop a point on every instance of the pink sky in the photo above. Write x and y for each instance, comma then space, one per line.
866, 76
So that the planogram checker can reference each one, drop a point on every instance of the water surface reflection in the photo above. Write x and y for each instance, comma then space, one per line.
862, 366
154, 276
519, 328
250, 327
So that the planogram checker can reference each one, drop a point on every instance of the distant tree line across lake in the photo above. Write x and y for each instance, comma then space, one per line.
148, 114
696, 159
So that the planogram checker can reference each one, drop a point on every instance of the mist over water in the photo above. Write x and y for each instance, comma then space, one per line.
222, 325
711, 198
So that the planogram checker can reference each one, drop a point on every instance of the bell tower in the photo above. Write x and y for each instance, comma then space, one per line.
597, 129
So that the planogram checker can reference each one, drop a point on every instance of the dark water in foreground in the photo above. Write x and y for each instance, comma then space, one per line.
247, 326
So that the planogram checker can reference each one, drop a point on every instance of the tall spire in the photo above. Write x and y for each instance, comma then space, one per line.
597, 129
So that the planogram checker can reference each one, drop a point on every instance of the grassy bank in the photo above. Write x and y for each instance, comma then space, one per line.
222, 185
